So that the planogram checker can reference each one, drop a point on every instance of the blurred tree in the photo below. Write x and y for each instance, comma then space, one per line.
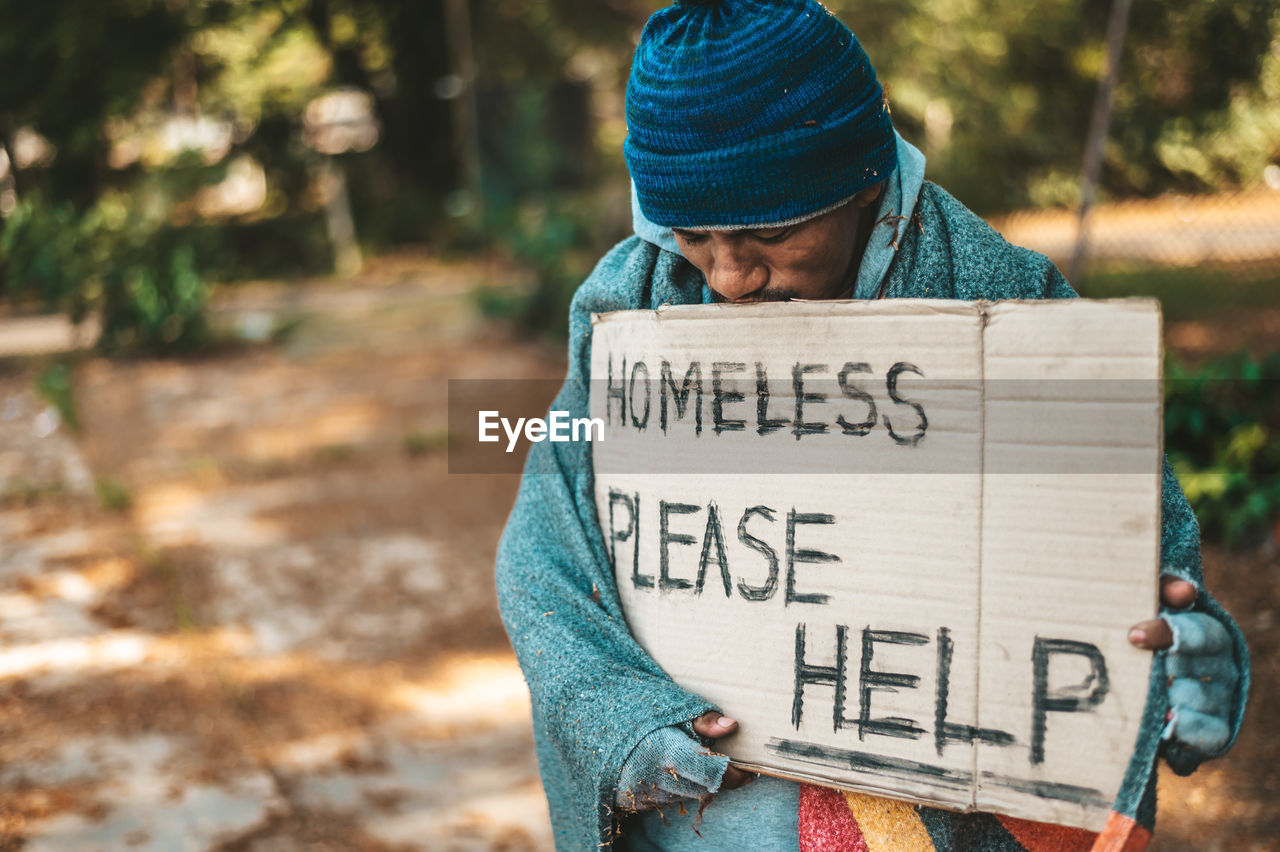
71, 66
1203, 108
397, 50
999, 93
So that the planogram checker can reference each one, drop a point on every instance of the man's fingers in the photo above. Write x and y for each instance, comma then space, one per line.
1156, 635
712, 725
735, 778
1153, 635
1175, 593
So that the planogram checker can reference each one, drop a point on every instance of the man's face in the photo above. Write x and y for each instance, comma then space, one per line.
815, 259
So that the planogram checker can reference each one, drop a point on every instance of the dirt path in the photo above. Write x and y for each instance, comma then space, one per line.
1172, 230
288, 636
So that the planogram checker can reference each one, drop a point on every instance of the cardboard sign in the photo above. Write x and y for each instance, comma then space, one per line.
900, 541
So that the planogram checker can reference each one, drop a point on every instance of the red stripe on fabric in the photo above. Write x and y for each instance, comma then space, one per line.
1122, 834
1045, 837
826, 824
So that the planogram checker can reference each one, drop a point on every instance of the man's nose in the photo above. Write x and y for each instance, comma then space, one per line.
736, 274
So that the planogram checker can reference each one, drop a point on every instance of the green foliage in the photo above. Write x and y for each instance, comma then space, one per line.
418, 443
1222, 434
42, 249
155, 307
517, 40
1185, 292
148, 294
1000, 96
113, 495
54, 383
334, 453
1200, 107
82, 61
23, 492
169, 573
559, 237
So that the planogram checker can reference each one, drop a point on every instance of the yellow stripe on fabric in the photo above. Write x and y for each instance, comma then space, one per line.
889, 826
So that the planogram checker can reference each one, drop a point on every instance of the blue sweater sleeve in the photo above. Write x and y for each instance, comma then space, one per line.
595, 692
1228, 667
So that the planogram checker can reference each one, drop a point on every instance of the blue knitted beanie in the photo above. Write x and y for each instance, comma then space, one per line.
750, 113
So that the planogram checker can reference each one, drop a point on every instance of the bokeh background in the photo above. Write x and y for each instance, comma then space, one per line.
245, 243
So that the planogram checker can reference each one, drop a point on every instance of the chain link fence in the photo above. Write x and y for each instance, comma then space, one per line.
1229, 238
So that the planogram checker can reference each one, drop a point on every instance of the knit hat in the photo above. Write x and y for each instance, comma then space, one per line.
749, 113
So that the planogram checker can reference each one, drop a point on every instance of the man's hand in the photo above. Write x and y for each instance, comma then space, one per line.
1202, 675
713, 726
669, 765
1155, 635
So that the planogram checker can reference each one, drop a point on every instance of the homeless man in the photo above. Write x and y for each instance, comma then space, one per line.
765, 167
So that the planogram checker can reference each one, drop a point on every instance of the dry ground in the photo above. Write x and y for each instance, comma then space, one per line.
288, 637
1171, 230
275, 628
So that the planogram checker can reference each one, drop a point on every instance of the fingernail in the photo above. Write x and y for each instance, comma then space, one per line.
726, 722
1137, 635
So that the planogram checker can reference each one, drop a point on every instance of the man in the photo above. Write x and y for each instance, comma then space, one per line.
766, 167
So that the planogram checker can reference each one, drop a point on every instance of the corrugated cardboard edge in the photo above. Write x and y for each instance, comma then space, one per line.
858, 307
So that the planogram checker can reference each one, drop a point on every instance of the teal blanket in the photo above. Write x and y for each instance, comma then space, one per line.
595, 692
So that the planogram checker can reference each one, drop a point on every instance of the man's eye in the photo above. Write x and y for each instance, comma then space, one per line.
689, 236
771, 235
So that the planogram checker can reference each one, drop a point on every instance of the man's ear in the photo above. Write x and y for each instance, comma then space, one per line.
868, 195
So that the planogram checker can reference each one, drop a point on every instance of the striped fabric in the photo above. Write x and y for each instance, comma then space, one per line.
835, 821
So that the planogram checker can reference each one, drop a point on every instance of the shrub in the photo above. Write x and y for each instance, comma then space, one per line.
1222, 434
111, 261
